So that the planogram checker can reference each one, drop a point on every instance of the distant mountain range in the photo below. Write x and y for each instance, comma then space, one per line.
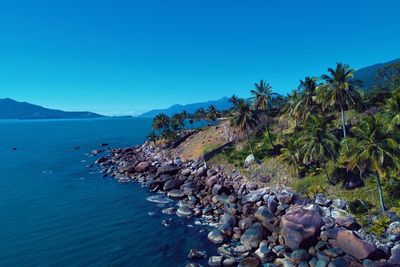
221, 104
11, 109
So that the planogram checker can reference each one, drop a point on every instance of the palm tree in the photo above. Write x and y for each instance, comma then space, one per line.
234, 99
340, 91
152, 137
245, 119
161, 122
306, 102
212, 113
392, 108
177, 122
318, 144
290, 153
184, 116
200, 114
262, 97
374, 146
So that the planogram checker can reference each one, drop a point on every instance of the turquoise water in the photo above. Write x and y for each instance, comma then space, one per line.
55, 211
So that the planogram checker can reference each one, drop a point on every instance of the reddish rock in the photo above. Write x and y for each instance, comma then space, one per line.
300, 226
142, 166
350, 243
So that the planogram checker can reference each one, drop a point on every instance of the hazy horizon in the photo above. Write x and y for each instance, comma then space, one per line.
131, 57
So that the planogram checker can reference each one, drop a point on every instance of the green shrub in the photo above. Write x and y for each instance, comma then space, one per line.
378, 227
313, 190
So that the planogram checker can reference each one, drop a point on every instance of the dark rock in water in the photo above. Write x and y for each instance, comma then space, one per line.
184, 211
77, 147
300, 226
176, 194
169, 211
355, 246
253, 236
197, 254
142, 166
168, 169
103, 144
249, 262
215, 236
101, 160
215, 261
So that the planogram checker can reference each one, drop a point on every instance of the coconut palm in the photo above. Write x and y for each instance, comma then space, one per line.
152, 137
318, 143
177, 122
200, 114
262, 98
340, 91
306, 102
161, 122
233, 99
392, 108
373, 145
290, 153
212, 113
245, 119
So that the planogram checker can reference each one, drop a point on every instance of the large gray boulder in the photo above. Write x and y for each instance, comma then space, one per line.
255, 196
300, 226
351, 244
253, 236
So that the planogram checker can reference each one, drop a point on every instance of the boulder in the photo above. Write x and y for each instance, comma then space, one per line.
253, 236
393, 231
184, 210
300, 226
169, 185
395, 258
249, 160
196, 254
255, 196
351, 244
215, 236
176, 194
266, 218
299, 255
202, 171
215, 261
347, 222
142, 166
170, 169
285, 196
245, 223
249, 262
264, 253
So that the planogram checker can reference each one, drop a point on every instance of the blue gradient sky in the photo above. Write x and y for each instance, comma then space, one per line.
131, 56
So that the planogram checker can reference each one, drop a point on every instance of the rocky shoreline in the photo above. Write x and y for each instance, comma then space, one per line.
254, 226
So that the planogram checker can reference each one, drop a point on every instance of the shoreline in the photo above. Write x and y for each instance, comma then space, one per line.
253, 225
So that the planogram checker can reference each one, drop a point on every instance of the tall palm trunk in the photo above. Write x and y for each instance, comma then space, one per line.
327, 175
248, 139
378, 178
267, 125
343, 124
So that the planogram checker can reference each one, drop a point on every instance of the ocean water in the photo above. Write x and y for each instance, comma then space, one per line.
55, 211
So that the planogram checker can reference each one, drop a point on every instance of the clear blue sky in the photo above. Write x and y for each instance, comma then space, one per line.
131, 56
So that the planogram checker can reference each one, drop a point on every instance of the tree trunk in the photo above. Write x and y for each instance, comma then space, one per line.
248, 139
378, 178
343, 124
327, 175
267, 125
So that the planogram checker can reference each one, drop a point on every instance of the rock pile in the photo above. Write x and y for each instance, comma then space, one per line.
254, 226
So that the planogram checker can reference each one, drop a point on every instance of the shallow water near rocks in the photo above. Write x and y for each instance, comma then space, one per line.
55, 211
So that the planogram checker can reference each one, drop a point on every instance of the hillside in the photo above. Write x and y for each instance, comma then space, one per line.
220, 104
11, 109
372, 75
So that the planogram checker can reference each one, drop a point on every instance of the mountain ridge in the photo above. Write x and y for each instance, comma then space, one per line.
12, 109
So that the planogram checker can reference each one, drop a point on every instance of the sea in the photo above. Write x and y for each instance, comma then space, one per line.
57, 208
